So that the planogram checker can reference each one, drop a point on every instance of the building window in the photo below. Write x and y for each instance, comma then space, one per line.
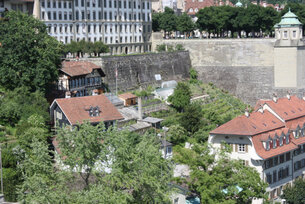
269, 178
294, 34
58, 115
83, 3
54, 15
59, 4
241, 148
274, 143
274, 176
76, 3
54, 4
281, 141
2, 3
287, 139
282, 158
65, 16
59, 16
110, 5
49, 4
285, 34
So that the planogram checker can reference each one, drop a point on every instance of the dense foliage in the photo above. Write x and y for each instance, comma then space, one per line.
29, 56
221, 21
219, 179
295, 194
132, 169
181, 97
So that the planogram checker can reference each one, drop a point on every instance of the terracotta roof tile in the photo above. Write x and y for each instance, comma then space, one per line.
256, 123
76, 109
127, 96
265, 154
77, 68
196, 4
288, 109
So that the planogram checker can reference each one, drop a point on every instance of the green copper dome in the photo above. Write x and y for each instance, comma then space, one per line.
288, 20
238, 4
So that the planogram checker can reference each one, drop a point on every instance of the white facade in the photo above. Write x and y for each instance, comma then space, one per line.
278, 158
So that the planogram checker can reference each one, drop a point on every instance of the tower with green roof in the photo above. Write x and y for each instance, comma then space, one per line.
290, 28
289, 53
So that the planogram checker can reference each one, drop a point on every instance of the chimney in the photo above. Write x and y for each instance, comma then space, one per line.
68, 94
288, 95
261, 110
247, 114
94, 92
274, 98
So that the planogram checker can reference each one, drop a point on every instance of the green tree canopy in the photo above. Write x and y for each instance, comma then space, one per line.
28, 55
219, 179
181, 97
168, 20
21, 104
295, 194
191, 119
185, 23
128, 167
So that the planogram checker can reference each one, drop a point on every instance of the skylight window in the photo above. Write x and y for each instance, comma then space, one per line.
286, 113
265, 124
292, 111
253, 126
299, 109
273, 122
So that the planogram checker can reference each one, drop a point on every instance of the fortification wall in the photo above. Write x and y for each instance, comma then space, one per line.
226, 52
244, 67
134, 70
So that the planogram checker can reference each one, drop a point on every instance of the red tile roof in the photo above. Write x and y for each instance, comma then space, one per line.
286, 108
76, 109
77, 68
196, 4
127, 96
256, 123
265, 154
292, 111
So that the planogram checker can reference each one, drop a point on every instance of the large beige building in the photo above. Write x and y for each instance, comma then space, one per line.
124, 25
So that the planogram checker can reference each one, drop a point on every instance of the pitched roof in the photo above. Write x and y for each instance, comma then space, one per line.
77, 68
265, 154
286, 108
196, 4
256, 123
127, 96
76, 109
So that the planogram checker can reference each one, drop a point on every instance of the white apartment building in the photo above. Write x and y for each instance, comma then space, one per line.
124, 25
271, 139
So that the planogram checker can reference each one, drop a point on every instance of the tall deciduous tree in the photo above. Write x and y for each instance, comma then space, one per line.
221, 179
181, 97
185, 24
295, 194
124, 164
81, 148
168, 20
28, 55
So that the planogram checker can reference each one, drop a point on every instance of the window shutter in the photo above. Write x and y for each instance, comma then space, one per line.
232, 146
236, 147
221, 146
247, 163
246, 148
